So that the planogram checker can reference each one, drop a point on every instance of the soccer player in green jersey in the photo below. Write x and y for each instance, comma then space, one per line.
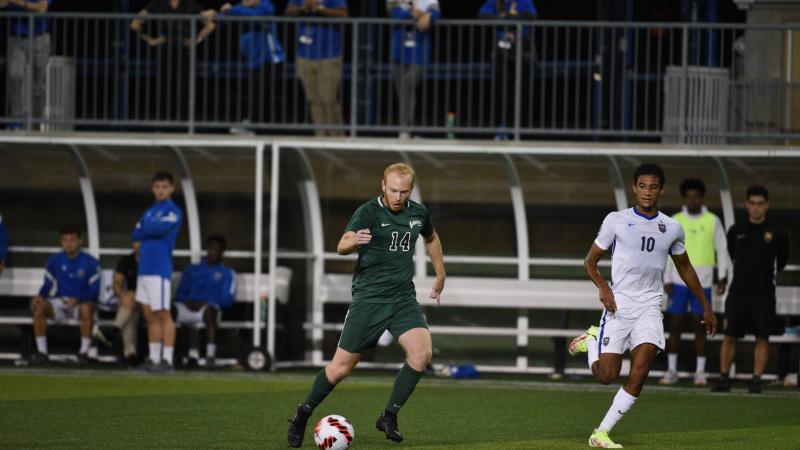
383, 231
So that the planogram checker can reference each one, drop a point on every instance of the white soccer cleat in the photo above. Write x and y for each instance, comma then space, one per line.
669, 378
700, 379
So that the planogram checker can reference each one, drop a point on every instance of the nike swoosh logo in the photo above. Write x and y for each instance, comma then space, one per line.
631, 224
396, 405
385, 224
620, 411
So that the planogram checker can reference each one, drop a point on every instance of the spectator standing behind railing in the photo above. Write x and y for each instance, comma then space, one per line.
759, 249
70, 290
206, 289
18, 59
411, 52
126, 322
174, 41
319, 60
157, 230
3, 244
504, 55
263, 56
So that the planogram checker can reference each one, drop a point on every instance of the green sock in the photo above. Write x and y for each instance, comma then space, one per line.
404, 385
319, 390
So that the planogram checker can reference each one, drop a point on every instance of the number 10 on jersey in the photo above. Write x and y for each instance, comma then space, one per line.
648, 243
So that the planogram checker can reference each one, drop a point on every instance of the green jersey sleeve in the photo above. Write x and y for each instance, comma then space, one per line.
427, 227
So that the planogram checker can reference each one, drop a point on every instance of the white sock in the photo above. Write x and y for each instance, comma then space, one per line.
41, 344
593, 352
168, 351
86, 342
672, 361
211, 350
155, 352
622, 403
701, 364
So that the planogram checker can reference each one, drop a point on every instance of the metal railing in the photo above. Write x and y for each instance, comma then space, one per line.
676, 82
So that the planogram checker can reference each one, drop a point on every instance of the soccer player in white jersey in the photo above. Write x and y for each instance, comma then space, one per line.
640, 239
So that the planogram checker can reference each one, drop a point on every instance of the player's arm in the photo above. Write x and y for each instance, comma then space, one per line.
91, 291
32, 6
340, 10
590, 264
689, 276
723, 262
137, 26
434, 248
351, 240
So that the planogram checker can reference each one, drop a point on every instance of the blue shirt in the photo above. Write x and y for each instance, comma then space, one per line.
20, 26
258, 47
3, 240
316, 40
157, 230
409, 45
213, 284
512, 8
78, 277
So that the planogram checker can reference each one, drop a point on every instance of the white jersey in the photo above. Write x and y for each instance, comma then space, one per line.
639, 246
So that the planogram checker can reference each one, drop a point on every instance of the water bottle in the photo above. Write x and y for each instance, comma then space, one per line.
451, 123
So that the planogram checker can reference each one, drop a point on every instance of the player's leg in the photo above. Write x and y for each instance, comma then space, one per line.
86, 314
41, 310
736, 319
604, 346
677, 308
762, 317
699, 339
337, 370
409, 325
363, 325
211, 320
163, 313
191, 313
148, 295
642, 358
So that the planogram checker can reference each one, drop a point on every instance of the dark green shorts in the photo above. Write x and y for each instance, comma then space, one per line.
365, 323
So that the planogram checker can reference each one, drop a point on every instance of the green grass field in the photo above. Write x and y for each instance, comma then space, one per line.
115, 409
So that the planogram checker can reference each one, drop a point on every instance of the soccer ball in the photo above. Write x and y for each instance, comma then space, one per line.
334, 433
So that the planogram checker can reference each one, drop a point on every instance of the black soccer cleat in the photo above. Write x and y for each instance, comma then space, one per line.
754, 387
387, 423
297, 427
39, 359
721, 386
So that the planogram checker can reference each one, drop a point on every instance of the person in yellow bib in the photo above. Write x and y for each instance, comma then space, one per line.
708, 250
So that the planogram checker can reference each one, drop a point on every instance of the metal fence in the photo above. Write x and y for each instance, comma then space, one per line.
379, 77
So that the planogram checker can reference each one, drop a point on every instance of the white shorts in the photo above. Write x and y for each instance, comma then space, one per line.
155, 291
61, 313
627, 329
188, 317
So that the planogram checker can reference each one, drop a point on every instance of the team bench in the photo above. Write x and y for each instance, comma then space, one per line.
523, 295
23, 283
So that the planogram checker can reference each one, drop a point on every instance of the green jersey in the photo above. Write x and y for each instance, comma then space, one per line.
385, 268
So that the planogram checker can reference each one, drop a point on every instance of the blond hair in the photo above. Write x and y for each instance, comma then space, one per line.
402, 169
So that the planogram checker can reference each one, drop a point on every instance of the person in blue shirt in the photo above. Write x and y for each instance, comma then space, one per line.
3, 244
263, 56
504, 55
206, 289
319, 61
411, 52
70, 290
20, 60
157, 230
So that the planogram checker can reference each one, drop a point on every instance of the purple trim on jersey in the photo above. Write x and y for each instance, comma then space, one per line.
600, 336
636, 211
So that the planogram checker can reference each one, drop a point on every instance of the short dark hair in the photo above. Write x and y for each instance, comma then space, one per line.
693, 184
163, 175
757, 190
70, 229
649, 169
219, 239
